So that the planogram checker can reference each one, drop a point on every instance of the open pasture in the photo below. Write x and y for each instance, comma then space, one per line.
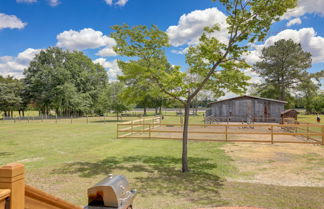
65, 159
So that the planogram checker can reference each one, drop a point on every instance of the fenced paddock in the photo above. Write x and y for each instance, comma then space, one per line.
153, 128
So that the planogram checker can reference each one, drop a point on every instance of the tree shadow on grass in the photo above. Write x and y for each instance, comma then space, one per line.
162, 176
4, 154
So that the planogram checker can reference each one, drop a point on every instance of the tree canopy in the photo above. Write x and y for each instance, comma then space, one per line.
283, 68
213, 65
68, 82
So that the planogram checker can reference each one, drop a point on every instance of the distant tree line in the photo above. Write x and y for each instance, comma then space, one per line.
68, 83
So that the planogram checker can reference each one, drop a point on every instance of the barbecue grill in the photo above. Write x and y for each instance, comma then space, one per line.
111, 193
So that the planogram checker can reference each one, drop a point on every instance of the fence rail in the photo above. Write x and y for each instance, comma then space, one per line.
225, 132
15, 194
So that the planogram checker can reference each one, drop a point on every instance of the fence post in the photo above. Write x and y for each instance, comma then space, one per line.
143, 125
307, 131
132, 127
226, 135
149, 130
71, 119
12, 177
117, 130
322, 134
272, 134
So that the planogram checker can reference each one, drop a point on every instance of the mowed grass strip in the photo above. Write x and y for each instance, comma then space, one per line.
66, 159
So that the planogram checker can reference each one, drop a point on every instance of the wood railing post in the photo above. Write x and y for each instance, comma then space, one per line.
132, 127
307, 128
12, 177
226, 135
117, 131
149, 130
322, 134
271, 134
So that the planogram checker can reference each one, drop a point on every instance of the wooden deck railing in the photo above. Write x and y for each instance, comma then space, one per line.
4, 197
22, 196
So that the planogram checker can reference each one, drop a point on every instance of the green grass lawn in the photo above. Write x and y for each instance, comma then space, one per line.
65, 159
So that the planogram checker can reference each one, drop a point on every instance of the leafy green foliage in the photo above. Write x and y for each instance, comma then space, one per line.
10, 95
68, 82
283, 67
213, 65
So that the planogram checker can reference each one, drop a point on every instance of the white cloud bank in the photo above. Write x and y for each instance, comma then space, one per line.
306, 7
190, 27
112, 68
120, 3
295, 21
86, 39
11, 21
14, 66
307, 37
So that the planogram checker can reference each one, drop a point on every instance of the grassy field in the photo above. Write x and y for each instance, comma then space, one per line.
65, 159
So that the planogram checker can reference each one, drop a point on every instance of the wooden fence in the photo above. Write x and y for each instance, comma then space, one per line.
143, 125
15, 194
269, 133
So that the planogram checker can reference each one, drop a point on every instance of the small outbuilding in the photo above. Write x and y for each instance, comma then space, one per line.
290, 113
247, 108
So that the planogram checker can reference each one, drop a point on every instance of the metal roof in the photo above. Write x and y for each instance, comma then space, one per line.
252, 97
289, 110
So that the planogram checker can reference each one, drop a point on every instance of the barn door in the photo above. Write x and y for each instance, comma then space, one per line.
266, 111
249, 108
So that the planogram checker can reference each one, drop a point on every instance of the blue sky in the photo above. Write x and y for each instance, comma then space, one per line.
27, 26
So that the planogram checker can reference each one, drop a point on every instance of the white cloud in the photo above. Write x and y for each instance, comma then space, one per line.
109, 2
26, 1
14, 66
307, 37
180, 51
295, 21
107, 52
112, 68
84, 39
306, 7
191, 26
120, 3
54, 3
11, 21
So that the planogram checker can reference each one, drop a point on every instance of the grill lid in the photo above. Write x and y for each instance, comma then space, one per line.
112, 191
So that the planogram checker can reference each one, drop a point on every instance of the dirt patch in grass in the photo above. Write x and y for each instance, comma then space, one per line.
278, 164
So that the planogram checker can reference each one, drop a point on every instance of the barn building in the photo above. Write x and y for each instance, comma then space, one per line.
290, 113
246, 108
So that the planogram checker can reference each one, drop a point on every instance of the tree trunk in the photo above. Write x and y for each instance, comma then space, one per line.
185, 139
117, 116
145, 110
160, 110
